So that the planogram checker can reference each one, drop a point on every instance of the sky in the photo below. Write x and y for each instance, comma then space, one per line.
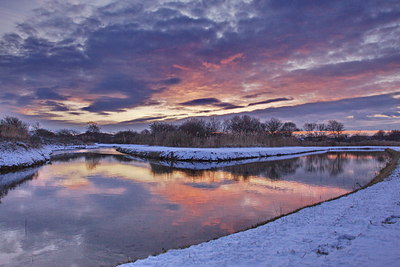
125, 64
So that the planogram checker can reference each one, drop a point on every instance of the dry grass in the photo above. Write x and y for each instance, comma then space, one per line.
389, 168
179, 139
361, 143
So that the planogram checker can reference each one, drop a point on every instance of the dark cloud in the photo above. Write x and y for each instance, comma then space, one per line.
172, 81
25, 100
54, 106
378, 65
75, 113
228, 106
201, 101
271, 101
121, 83
210, 102
109, 104
136, 92
256, 95
48, 93
142, 120
9, 96
151, 102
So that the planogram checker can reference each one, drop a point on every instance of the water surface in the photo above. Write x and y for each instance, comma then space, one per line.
103, 208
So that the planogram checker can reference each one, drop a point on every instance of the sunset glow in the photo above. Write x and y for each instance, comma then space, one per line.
129, 63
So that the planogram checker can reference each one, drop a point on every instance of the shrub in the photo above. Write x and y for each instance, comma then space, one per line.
13, 128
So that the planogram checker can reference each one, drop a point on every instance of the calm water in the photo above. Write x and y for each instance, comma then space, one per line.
102, 208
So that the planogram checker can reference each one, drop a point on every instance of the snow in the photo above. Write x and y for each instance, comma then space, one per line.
19, 155
360, 229
207, 165
224, 153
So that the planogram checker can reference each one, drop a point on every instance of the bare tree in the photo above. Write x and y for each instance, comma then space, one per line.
92, 127
194, 127
335, 128
243, 124
67, 132
213, 125
321, 130
161, 127
273, 126
310, 126
288, 128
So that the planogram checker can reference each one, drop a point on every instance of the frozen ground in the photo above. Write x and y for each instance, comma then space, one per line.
361, 229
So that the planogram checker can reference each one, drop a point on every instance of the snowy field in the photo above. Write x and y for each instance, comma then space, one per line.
361, 229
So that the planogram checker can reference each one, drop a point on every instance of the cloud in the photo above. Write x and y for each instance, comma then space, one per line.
201, 101
109, 104
48, 93
136, 93
172, 81
127, 54
54, 106
121, 83
268, 101
356, 113
142, 120
210, 102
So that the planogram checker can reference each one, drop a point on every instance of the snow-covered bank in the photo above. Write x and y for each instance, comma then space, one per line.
17, 155
207, 165
362, 228
224, 153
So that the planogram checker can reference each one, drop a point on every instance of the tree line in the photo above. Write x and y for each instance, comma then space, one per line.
236, 131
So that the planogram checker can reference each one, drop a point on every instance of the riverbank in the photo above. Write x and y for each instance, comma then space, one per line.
362, 228
226, 153
17, 155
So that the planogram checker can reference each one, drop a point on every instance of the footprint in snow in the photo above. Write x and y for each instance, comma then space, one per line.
391, 220
343, 241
